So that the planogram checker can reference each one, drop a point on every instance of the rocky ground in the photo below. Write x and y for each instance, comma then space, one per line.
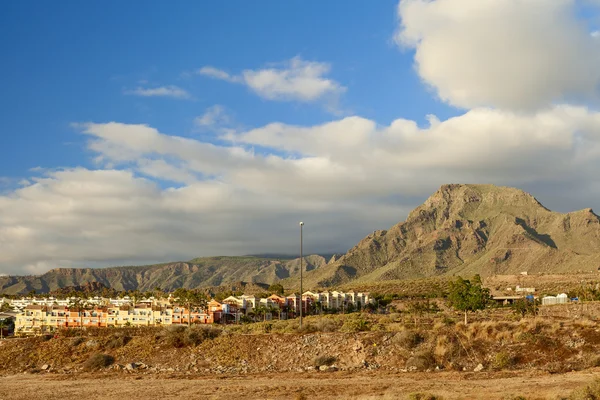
306, 385
337, 356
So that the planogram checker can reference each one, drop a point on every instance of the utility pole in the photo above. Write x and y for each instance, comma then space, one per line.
301, 289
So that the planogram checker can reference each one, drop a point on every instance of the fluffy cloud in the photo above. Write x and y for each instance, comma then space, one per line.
162, 91
343, 178
213, 116
513, 54
292, 80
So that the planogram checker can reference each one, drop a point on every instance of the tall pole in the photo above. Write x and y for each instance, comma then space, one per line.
301, 290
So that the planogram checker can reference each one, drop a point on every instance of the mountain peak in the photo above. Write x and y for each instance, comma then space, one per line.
473, 228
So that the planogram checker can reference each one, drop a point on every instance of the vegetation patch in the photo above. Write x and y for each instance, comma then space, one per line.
324, 360
98, 361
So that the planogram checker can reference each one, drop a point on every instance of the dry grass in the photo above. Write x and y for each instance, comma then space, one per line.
589, 392
98, 361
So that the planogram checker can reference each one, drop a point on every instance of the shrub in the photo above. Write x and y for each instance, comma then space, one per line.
76, 341
503, 360
118, 340
97, 361
181, 336
198, 334
45, 337
325, 325
324, 360
356, 325
422, 360
409, 339
590, 392
423, 396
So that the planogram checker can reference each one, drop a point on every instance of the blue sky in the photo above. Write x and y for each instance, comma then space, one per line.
71, 61
143, 132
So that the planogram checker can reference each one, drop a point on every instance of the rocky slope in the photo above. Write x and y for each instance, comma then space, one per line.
459, 230
199, 272
468, 229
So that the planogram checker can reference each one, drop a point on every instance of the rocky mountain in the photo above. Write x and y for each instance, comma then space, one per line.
459, 230
468, 229
199, 272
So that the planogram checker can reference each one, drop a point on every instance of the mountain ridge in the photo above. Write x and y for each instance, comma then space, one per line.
198, 272
461, 229
467, 229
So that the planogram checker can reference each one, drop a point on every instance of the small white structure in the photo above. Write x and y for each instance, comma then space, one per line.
559, 299
520, 289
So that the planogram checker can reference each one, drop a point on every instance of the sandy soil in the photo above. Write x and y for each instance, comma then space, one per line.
338, 385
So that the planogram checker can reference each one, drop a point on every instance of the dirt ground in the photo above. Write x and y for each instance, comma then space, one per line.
336, 385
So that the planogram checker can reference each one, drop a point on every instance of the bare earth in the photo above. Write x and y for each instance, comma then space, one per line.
338, 385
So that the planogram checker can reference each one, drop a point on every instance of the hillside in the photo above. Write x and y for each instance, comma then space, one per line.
199, 272
468, 229
459, 230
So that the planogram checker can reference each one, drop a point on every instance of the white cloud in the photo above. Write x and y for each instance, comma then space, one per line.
216, 73
514, 54
213, 116
162, 91
292, 80
344, 178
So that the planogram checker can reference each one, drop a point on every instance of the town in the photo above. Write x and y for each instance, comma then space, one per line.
48, 314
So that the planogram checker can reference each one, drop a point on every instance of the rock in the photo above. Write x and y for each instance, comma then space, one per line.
45, 367
478, 368
130, 366
323, 368
332, 368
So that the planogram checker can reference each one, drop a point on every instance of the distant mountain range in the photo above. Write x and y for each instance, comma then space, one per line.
199, 272
459, 230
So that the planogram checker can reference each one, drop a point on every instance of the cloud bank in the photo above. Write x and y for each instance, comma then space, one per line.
521, 69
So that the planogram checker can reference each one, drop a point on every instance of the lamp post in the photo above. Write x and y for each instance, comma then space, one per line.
301, 225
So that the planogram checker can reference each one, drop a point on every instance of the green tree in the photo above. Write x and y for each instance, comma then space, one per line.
523, 307
276, 288
468, 296
261, 311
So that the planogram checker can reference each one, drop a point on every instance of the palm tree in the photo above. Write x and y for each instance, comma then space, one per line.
262, 311
275, 309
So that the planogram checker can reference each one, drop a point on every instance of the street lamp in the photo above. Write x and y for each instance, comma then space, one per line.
301, 225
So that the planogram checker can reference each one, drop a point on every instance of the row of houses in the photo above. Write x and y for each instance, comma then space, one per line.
38, 318
17, 305
328, 300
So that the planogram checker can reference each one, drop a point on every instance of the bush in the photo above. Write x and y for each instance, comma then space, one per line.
503, 360
182, 336
590, 392
97, 361
409, 339
357, 324
422, 360
76, 341
423, 396
118, 340
326, 325
324, 360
